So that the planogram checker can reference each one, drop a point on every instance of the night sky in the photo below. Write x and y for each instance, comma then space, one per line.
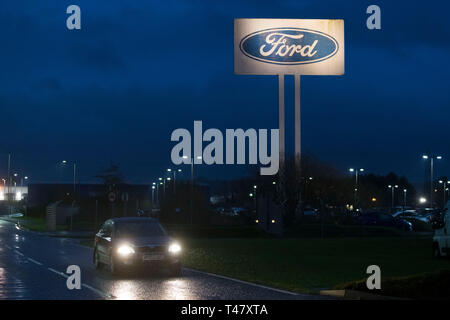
137, 70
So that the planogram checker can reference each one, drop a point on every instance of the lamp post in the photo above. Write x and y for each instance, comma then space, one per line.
174, 177
153, 195
404, 199
356, 184
192, 185
163, 183
256, 203
21, 180
431, 157
445, 184
392, 195
64, 162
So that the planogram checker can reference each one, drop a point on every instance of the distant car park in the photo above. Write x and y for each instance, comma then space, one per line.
382, 219
412, 214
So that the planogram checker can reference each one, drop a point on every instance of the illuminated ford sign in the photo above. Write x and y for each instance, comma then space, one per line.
289, 46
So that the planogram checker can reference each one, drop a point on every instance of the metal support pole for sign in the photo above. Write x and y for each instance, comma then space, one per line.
297, 122
281, 122
191, 211
297, 116
282, 155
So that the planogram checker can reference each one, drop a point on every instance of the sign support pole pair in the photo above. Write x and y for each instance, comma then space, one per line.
289, 47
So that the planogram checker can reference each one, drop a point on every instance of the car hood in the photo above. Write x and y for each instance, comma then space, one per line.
147, 241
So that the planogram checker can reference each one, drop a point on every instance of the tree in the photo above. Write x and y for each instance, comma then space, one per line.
111, 176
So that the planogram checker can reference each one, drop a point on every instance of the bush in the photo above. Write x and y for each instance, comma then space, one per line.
339, 231
427, 286
188, 231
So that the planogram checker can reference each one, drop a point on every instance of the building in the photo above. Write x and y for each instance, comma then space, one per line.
13, 193
41, 194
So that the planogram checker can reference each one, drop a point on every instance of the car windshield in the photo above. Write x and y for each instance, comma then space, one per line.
139, 229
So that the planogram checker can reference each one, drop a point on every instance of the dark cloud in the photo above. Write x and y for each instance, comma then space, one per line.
115, 89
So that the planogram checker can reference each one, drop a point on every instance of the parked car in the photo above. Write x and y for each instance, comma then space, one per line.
384, 220
441, 238
123, 243
412, 214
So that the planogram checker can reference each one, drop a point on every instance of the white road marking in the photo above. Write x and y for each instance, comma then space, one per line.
18, 252
58, 272
103, 294
243, 282
107, 295
7, 246
34, 261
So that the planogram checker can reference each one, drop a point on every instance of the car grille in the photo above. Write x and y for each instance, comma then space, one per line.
147, 249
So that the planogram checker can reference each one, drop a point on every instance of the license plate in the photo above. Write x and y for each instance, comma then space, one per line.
153, 257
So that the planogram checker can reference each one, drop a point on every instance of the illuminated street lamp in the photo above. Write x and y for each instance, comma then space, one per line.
192, 182
392, 195
310, 179
255, 196
153, 194
174, 177
445, 184
21, 180
404, 199
64, 162
356, 183
431, 157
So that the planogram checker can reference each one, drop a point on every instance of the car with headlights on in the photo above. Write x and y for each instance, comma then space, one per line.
124, 243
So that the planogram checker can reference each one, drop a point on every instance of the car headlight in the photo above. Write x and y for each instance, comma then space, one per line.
125, 250
174, 248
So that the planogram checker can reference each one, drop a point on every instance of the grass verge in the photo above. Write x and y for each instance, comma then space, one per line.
435, 285
309, 265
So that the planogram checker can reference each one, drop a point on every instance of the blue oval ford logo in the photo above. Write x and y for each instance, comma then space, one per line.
289, 46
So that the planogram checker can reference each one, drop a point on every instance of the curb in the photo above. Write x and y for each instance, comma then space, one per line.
357, 295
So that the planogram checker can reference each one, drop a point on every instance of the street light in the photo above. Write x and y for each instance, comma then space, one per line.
404, 199
74, 173
174, 178
445, 184
192, 182
306, 188
431, 157
392, 195
356, 183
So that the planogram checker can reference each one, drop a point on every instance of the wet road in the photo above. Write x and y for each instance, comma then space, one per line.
32, 266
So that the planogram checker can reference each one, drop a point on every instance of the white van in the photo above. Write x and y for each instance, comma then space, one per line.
441, 238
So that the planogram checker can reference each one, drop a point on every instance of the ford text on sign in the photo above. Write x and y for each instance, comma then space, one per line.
289, 46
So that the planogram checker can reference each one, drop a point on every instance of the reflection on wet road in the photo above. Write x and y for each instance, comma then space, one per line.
32, 266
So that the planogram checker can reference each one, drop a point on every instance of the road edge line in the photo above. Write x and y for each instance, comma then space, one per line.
35, 261
104, 294
244, 282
